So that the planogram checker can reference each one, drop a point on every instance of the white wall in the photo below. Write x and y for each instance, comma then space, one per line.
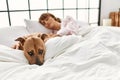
108, 6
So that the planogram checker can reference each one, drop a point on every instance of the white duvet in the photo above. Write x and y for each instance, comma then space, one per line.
92, 55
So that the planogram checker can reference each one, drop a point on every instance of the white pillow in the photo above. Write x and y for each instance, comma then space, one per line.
35, 26
9, 34
8, 54
57, 45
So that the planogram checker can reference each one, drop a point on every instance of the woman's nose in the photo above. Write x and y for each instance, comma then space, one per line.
46, 24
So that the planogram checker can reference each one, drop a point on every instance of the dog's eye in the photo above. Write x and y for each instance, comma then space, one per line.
31, 53
40, 51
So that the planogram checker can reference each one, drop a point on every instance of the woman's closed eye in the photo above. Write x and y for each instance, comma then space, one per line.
45, 22
46, 19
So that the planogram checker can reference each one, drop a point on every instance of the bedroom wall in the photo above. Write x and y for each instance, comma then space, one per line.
107, 6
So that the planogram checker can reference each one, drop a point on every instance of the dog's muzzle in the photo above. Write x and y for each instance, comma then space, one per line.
38, 62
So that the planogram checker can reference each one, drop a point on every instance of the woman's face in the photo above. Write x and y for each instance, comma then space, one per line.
51, 23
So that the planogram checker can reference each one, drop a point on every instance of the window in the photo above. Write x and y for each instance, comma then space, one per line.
4, 19
18, 17
13, 12
83, 15
37, 4
18, 4
55, 4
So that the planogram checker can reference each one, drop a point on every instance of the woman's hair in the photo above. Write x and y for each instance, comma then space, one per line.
47, 15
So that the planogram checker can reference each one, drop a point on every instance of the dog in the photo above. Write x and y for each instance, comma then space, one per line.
33, 46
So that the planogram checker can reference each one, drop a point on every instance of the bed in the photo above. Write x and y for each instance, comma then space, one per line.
94, 54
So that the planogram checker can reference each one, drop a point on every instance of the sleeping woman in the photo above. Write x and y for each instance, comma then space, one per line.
67, 26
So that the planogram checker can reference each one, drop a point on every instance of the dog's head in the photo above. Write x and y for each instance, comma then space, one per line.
33, 47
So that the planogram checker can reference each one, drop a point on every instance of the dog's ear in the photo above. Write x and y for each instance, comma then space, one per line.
43, 36
21, 39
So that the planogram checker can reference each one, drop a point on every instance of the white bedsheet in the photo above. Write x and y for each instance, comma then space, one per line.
94, 57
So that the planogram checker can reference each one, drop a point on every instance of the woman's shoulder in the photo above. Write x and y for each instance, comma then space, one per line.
66, 20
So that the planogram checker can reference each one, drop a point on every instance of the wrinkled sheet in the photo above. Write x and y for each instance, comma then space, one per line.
95, 56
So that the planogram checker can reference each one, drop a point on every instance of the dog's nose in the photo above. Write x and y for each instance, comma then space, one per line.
38, 62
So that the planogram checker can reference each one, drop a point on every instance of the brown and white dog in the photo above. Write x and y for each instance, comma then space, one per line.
33, 46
